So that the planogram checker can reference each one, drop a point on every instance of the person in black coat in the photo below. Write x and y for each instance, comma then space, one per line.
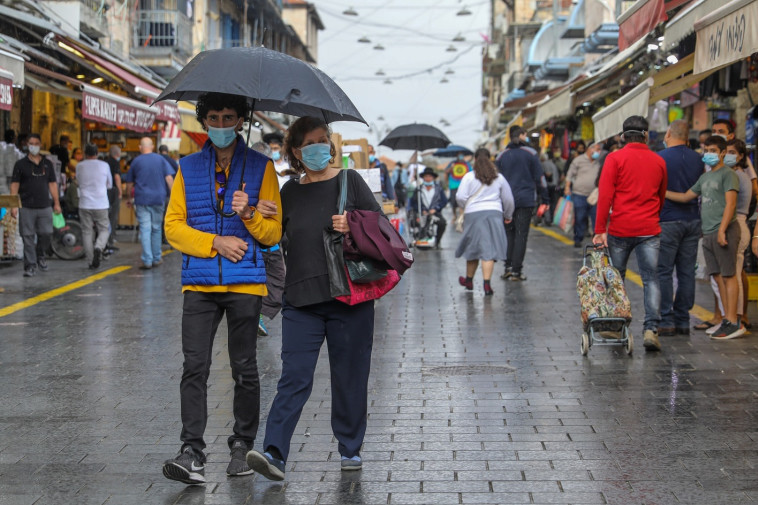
432, 199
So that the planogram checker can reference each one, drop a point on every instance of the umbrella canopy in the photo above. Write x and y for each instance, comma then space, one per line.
452, 151
273, 81
416, 136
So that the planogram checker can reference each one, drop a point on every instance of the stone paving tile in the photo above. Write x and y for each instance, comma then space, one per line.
91, 408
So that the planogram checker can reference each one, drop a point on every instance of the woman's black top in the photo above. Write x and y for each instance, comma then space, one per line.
307, 209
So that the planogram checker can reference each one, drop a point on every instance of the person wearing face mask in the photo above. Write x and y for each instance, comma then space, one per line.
455, 171
275, 142
388, 190
432, 200
633, 185
522, 170
680, 233
150, 176
719, 188
580, 181
34, 180
224, 208
310, 315
735, 158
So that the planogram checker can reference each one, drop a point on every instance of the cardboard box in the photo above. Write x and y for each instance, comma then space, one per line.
359, 152
126, 216
752, 283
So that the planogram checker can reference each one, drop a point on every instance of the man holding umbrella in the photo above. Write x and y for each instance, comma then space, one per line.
224, 208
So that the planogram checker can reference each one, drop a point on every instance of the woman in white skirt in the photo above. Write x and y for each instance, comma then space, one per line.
487, 203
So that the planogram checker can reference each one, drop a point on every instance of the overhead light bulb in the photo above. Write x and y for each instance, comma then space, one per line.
80, 76
449, 71
364, 40
652, 47
380, 118
97, 80
464, 12
387, 81
672, 59
380, 72
379, 47
459, 38
444, 80
349, 12
451, 49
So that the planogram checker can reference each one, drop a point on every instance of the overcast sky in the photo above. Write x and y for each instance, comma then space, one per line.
415, 35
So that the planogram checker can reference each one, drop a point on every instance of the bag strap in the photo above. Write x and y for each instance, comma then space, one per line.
472, 196
343, 192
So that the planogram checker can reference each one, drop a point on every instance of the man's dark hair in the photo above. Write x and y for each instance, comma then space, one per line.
220, 101
706, 132
35, 136
634, 129
715, 140
515, 132
726, 122
163, 149
90, 150
22, 137
273, 138
10, 136
63, 138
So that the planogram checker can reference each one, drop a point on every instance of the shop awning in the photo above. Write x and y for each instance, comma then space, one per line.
198, 137
608, 121
639, 20
14, 64
683, 23
164, 111
726, 35
41, 84
558, 105
6, 90
116, 110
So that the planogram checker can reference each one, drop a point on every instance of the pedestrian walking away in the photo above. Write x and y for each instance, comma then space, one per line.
114, 195
680, 232
521, 167
95, 180
310, 315
633, 184
486, 201
220, 233
34, 180
580, 181
150, 176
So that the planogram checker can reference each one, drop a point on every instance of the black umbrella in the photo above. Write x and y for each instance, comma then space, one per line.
271, 80
416, 136
274, 82
452, 151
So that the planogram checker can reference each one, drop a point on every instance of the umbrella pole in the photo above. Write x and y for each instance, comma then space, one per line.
244, 160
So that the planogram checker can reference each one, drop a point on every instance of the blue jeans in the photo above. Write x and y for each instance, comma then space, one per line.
150, 218
582, 211
646, 249
678, 249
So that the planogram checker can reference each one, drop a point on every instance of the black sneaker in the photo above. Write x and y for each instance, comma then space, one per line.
238, 464
507, 274
98, 256
186, 467
29, 271
266, 465
42, 263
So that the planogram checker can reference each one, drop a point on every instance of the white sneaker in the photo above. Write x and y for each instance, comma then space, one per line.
713, 329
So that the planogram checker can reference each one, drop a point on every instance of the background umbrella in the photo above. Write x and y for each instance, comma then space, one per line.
272, 81
452, 151
416, 136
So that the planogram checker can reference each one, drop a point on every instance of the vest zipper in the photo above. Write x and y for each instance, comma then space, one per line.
220, 272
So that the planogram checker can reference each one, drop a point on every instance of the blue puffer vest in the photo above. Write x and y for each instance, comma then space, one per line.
198, 172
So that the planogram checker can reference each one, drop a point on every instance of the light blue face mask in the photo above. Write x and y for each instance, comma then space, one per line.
372, 158
276, 155
316, 156
730, 160
595, 155
711, 159
222, 137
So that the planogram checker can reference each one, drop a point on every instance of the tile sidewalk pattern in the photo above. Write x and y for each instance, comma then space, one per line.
473, 400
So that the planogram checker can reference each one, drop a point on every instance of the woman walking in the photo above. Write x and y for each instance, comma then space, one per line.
309, 313
487, 202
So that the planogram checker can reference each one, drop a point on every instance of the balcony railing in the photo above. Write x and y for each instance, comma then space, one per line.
225, 43
158, 30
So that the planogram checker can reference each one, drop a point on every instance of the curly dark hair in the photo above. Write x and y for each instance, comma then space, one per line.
484, 169
296, 136
219, 101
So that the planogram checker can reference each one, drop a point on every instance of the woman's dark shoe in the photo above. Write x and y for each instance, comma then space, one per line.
466, 282
488, 289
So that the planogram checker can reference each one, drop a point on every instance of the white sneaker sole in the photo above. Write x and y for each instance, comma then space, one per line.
260, 464
173, 471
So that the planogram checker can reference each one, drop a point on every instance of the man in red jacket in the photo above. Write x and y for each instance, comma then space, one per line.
633, 187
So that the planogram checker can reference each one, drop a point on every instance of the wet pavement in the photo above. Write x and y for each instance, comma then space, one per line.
473, 399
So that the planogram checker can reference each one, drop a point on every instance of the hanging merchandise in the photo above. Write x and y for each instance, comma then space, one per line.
588, 128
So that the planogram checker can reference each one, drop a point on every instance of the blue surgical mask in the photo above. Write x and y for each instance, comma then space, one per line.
222, 137
276, 155
371, 158
428, 183
316, 156
730, 160
711, 159
595, 155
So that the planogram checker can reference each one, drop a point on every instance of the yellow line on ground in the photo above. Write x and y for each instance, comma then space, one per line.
697, 311
10, 309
